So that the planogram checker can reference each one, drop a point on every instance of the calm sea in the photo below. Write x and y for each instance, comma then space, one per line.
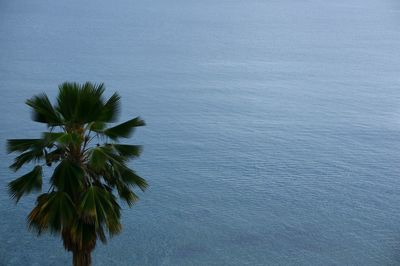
273, 133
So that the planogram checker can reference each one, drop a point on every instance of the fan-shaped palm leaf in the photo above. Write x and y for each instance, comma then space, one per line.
26, 183
123, 130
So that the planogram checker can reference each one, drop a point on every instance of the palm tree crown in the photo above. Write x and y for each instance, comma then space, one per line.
89, 167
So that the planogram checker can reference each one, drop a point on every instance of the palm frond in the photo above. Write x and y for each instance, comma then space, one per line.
128, 151
22, 145
54, 156
27, 157
43, 111
99, 206
26, 183
101, 235
67, 99
98, 158
53, 211
83, 235
97, 126
123, 130
126, 193
129, 177
90, 103
69, 177
51, 137
63, 138
110, 109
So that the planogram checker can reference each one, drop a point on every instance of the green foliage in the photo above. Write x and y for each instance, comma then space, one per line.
123, 130
127, 151
26, 183
69, 177
90, 166
53, 211
22, 145
111, 109
99, 206
43, 111
26, 157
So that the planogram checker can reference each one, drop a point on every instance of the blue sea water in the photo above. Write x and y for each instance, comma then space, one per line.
273, 133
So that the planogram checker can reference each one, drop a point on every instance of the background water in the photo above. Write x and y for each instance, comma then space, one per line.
273, 125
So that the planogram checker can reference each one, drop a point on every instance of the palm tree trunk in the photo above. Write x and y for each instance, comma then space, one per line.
82, 258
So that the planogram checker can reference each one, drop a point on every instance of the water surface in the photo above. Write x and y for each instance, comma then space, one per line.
273, 126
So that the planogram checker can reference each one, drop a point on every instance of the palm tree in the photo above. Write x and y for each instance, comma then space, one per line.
89, 167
